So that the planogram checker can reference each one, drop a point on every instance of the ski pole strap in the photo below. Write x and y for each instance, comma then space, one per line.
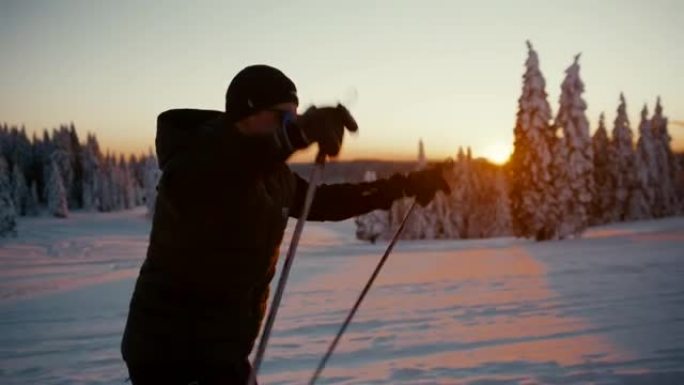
365, 290
316, 174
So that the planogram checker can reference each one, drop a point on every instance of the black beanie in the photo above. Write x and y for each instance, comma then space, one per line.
255, 88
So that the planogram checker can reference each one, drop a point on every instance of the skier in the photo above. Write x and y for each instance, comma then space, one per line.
223, 201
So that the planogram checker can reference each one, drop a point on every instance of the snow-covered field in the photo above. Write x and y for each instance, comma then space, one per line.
606, 309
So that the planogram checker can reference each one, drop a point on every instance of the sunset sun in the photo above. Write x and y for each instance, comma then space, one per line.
498, 152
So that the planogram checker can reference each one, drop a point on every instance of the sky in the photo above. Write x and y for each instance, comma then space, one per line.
448, 72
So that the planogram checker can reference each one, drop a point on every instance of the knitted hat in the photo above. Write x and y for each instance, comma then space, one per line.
255, 88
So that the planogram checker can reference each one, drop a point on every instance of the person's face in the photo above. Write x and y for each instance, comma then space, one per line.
267, 120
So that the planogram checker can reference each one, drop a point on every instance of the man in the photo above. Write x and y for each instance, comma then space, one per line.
223, 203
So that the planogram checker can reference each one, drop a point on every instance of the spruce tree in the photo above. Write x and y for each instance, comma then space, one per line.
8, 221
643, 189
574, 179
33, 204
56, 193
20, 190
666, 200
603, 177
623, 160
531, 190
152, 176
374, 224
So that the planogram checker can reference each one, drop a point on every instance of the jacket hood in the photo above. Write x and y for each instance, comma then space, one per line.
176, 130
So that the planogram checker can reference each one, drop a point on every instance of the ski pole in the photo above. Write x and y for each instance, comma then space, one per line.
365, 290
316, 174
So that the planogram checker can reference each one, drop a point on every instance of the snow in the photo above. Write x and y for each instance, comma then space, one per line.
604, 309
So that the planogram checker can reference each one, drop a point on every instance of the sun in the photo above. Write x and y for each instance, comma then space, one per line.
498, 152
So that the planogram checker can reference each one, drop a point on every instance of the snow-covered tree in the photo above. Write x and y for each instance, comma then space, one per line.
488, 213
501, 223
373, 225
75, 149
20, 190
421, 223
643, 188
623, 160
90, 164
477, 207
127, 184
151, 179
137, 171
573, 177
603, 176
666, 200
63, 155
32, 204
8, 222
460, 203
56, 193
531, 190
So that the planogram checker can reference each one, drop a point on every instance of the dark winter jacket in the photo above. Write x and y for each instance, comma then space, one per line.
222, 206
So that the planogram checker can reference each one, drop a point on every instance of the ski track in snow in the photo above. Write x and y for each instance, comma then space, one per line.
605, 309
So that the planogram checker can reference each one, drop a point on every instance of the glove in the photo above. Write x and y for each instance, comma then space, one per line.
326, 126
424, 184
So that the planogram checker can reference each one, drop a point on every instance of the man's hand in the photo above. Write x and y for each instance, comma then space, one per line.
424, 184
325, 126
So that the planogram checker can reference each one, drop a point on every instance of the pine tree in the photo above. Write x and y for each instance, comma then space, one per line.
666, 200
19, 190
63, 154
152, 176
8, 222
32, 204
623, 160
488, 213
574, 178
127, 183
501, 224
76, 160
531, 190
441, 210
373, 225
137, 176
56, 193
40, 159
421, 223
603, 177
90, 163
461, 196
643, 189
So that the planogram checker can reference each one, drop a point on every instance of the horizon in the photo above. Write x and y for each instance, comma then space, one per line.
454, 72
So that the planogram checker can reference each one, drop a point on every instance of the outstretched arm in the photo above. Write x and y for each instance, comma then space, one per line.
346, 200
336, 202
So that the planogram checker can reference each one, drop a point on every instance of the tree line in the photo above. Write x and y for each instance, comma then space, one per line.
562, 179
58, 173
559, 179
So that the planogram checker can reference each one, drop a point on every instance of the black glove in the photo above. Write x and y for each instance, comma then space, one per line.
424, 184
325, 126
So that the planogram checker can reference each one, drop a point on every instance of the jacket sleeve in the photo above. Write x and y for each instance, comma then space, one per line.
336, 202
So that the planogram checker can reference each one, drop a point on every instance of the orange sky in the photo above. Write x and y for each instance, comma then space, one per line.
446, 72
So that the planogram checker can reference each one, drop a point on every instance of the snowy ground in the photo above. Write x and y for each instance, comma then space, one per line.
606, 309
